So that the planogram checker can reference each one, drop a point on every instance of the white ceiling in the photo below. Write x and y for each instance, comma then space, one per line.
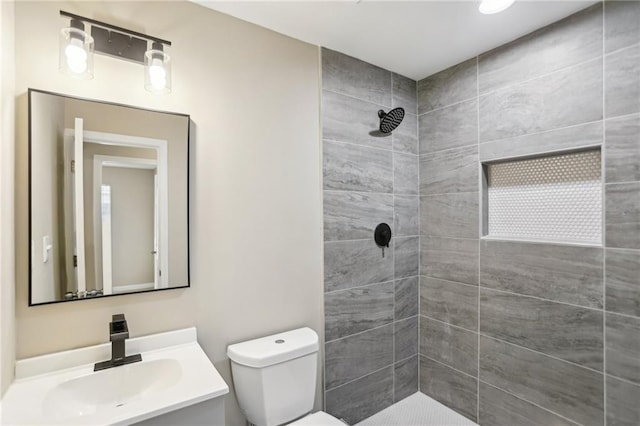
412, 38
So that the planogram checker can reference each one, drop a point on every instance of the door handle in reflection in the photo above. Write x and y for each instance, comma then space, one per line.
154, 252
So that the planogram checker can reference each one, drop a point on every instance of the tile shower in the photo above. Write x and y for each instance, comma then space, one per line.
503, 332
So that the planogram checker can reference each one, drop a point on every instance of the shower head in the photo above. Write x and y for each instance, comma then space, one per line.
390, 120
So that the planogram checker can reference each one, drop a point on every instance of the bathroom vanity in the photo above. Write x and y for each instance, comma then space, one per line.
175, 377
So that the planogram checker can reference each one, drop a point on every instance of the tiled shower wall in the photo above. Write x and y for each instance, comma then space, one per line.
525, 333
371, 300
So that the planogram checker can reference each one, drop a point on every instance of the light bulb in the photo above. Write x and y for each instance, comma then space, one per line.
157, 74
489, 7
76, 56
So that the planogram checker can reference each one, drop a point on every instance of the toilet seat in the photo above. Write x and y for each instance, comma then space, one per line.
319, 418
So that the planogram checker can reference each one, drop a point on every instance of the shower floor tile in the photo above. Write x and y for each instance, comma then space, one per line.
417, 410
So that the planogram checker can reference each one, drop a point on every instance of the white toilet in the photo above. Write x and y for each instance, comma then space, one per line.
275, 379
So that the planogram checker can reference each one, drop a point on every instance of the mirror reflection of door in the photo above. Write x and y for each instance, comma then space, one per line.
123, 191
128, 196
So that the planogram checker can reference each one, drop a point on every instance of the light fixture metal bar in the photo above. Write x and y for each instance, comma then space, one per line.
115, 28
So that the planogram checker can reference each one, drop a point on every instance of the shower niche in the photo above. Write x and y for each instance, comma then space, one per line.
551, 198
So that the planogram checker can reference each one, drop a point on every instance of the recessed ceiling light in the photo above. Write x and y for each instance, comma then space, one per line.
489, 7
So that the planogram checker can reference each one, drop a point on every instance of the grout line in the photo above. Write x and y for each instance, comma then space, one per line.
406, 359
631, 46
627, 381
438, 151
342, 290
634, 317
449, 281
361, 332
393, 263
540, 76
366, 239
449, 323
448, 237
546, 242
420, 114
621, 183
603, 224
480, 233
359, 145
349, 191
358, 378
541, 132
526, 400
437, 194
632, 250
357, 98
569, 149
448, 366
542, 353
541, 298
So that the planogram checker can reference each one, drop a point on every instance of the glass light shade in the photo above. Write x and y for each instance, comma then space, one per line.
76, 53
157, 70
489, 7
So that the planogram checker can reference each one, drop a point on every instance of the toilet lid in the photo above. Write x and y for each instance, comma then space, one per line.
319, 418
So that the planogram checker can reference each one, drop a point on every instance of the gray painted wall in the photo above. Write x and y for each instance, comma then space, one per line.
371, 301
519, 333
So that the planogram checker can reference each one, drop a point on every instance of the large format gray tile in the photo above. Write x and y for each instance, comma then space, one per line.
405, 136
354, 215
354, 263
455, 84
622, 155
351, 311
353, 77
450, 215
450, 302
406, 215
449, 259
622, 403
570, 274
361, 398
623, 347
565, 98
355, 356
498, 408
456, 390
404, 93
454, 170
405, 378
567, 138
567, 389
406, 338
570, 41
621, 24
406, 256
406, 297
622, 82
563, 331
449, 345
622, 279
449, 127
346, 119
622, 215
356, 168
405, 174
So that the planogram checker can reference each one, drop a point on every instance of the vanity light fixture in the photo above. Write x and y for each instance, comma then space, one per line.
77, 45
489, 7
76, 50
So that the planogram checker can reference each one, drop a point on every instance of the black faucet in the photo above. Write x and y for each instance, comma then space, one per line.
118, 333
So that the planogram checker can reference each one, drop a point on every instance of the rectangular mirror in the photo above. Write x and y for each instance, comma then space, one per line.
108, 199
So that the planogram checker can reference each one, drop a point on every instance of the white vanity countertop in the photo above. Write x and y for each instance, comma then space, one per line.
62, 388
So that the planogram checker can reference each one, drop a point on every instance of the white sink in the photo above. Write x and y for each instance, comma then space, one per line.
112, 388
168, 378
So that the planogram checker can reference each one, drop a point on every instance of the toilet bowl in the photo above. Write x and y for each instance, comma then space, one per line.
275, 379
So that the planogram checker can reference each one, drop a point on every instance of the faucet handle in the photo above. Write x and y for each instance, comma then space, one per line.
118, 327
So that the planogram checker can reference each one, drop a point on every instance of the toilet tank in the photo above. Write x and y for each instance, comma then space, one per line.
275, 376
